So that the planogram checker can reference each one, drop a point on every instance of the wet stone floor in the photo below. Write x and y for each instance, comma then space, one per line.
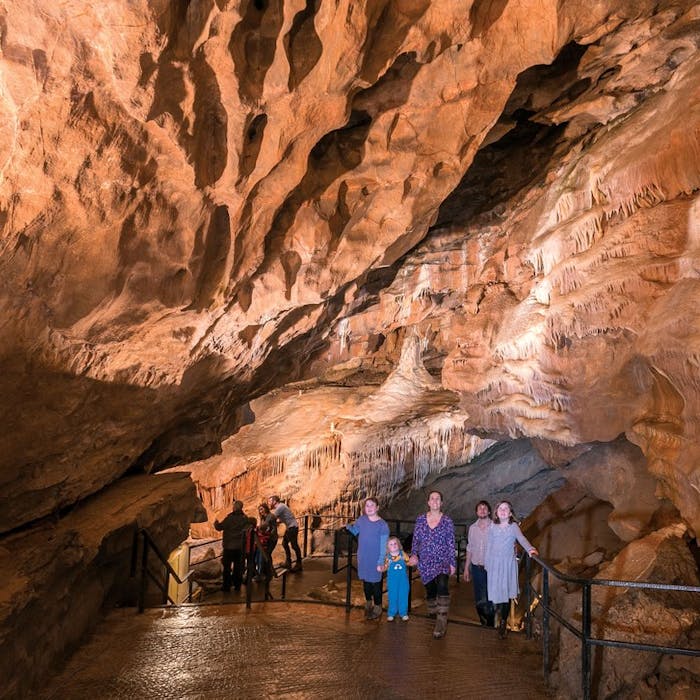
293, 650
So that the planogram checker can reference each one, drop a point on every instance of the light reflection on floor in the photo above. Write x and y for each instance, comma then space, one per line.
293, 650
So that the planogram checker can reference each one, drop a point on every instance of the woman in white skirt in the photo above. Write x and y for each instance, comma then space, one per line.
500, 562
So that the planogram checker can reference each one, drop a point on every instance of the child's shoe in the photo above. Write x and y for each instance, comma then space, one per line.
389, 618
404, 618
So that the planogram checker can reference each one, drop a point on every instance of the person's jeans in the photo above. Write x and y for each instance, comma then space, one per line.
232, 557
484, 607
291, 537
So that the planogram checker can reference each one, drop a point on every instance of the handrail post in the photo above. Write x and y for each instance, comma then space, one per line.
166, 584
249, 567
585, 643
144, 578
336, 541
528, 596
306, 534
459, 557
545, 624
348, 578
134, 554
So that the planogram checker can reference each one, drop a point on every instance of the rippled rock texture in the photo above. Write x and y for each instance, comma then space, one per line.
333, 248
380, 235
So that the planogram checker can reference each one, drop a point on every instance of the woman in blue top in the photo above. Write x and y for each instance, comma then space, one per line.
433, 551
372, 533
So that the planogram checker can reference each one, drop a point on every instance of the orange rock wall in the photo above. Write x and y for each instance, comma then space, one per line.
203, 202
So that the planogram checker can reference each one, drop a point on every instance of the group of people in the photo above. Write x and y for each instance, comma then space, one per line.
238, 529
491, 562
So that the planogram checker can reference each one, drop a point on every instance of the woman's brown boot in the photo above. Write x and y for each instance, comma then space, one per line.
443, 608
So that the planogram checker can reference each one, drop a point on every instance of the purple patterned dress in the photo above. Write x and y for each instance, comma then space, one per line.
434, 547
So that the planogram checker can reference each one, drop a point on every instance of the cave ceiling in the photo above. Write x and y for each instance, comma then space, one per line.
337, 246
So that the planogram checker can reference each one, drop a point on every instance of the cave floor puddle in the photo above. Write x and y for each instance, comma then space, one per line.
294, 650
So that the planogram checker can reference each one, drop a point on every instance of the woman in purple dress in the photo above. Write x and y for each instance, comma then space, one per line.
372, 533
434, 554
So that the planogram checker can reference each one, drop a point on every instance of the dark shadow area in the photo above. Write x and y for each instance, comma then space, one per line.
302, 44
520, 146
501, 170
46, 454
253, 43
252, 141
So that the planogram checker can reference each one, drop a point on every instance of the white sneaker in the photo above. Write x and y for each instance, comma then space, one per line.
389, 618
404, 618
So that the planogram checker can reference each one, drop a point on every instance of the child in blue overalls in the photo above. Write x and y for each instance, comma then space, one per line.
396, 567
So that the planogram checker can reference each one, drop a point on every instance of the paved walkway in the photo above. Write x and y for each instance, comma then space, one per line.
294, 650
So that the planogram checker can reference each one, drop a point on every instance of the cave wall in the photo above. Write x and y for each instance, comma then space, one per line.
62, 573
205, 205
332, 249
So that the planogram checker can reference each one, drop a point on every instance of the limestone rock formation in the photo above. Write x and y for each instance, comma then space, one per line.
203, 201
646, 616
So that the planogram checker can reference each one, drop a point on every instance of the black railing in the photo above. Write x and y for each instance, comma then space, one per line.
348, 567
204, 543
584, 633
145, 573
268, 569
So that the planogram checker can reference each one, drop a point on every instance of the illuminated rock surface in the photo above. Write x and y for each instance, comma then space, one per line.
329, 249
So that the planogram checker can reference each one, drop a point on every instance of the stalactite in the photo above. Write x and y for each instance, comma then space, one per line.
324, 456
219, 497
273, 466
344, 335
408, 460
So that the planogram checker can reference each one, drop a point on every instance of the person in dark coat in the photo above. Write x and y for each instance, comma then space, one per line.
234, 526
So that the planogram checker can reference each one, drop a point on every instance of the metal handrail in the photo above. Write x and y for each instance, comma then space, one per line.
146, 573
584, 634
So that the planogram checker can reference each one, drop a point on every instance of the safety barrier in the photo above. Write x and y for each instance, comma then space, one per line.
588, 641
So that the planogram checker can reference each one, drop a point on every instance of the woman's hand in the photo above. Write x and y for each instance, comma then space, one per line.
381, 568
534, 552
413, 560
453, 570
466, 576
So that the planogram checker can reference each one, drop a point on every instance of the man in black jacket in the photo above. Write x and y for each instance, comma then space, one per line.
233, 526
